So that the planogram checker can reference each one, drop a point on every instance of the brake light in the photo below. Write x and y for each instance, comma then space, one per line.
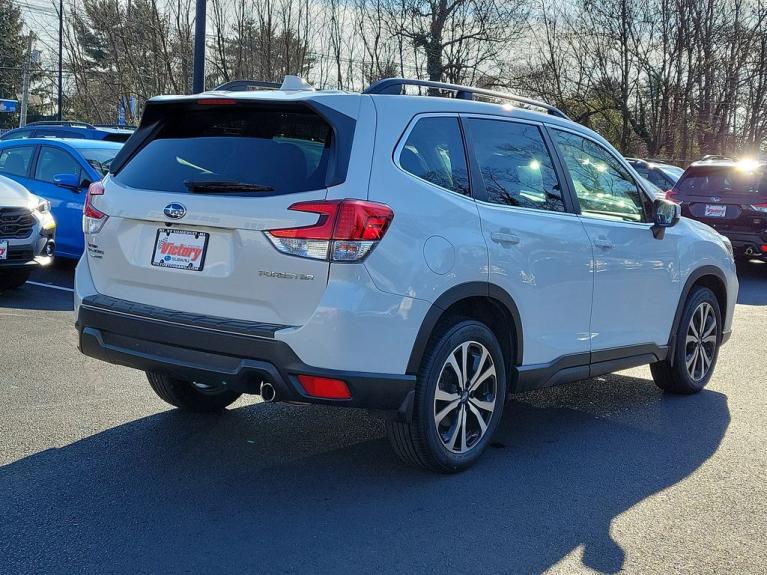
324, 387
671, 196
346, 230
760, 208
217, 102
93, 219
764, 249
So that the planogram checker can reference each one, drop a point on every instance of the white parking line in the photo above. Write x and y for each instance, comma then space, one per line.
62, 288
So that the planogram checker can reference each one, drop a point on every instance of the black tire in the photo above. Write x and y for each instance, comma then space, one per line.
676, 377
186, 395
421, 443
12, 279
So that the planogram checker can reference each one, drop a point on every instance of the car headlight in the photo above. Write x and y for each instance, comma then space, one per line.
728, 245
43, 210
43, 207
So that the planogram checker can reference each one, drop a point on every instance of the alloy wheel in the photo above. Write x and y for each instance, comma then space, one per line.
701, 340
466, 397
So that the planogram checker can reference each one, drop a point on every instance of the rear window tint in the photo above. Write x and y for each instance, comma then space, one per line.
434, 152
721, 181
272, 150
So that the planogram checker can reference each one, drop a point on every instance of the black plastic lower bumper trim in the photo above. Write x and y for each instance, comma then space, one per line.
238, 361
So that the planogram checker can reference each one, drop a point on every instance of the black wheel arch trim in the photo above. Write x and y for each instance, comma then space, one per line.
692, 279
454, 295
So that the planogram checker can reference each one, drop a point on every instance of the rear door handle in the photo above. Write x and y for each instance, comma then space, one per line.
504, 238
604, 243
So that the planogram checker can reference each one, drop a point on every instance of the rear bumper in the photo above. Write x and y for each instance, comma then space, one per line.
39, 261
214, 351
742, 241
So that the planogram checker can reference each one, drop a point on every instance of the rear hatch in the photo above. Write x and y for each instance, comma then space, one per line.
191, 195
728, 197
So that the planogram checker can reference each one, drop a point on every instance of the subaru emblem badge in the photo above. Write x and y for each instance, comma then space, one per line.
175, 211
716, 199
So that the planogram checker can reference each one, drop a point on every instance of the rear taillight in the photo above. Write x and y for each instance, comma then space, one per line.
346, 231
760, 208
671, 196
93, 219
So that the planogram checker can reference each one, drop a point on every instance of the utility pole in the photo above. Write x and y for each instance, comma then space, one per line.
198, 82
61, 56
25, 83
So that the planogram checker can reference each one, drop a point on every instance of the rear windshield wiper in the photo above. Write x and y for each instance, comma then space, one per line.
223, 186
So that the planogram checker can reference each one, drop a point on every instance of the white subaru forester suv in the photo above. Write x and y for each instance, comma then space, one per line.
420, 256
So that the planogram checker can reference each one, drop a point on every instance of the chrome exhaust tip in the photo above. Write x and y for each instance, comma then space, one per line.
267, 392
749, 251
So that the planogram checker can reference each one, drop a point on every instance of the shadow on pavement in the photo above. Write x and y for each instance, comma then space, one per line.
274, 488
753, 283
31, 296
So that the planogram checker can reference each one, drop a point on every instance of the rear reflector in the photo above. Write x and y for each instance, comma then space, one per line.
324, 387
764, 249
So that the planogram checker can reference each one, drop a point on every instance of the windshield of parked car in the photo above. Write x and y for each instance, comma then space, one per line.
722, 181
100, 158
672, 172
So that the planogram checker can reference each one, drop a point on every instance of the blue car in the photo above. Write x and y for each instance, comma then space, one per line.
80, 130
59, 170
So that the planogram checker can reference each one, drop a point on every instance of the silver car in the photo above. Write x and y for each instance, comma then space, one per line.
27, 233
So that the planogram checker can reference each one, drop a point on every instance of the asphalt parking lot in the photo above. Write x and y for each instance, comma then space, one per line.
609, 475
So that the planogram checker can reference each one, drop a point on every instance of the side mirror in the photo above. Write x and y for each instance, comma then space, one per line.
70, 181
665, 214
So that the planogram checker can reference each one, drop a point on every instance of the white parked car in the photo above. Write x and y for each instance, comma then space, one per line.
420, 256
27, 233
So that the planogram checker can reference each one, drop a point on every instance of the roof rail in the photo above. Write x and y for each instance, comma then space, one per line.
120, 126
396, 85
710, 157
61, 123
246, 86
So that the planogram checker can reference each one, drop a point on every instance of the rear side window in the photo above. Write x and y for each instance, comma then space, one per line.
243, 150
721, 181
434, 152
515, 164
15, 161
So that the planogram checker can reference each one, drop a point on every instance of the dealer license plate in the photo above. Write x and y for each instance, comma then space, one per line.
715, 211
180, 249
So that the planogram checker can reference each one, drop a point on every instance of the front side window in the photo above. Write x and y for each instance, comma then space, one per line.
53, 162
434, 152
515, 165
15, 161
604, 188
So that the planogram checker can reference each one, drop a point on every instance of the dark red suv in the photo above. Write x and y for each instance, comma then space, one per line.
731, 197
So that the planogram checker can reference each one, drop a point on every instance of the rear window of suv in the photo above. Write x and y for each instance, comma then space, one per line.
233, 149
720, 181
